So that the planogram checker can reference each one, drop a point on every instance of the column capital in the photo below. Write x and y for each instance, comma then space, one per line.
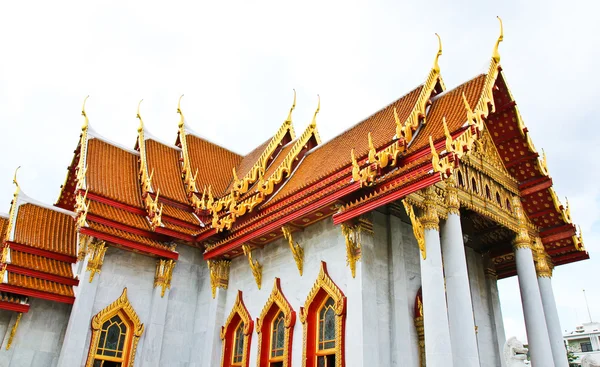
543, 263
452, 203
430, 219
522, 239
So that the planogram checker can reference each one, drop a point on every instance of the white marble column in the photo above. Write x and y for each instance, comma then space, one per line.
460, 306
496, 311
543, 267
438, 350
75, 345
215, 314
154, 329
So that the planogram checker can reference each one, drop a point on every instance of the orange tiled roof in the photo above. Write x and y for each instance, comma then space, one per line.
214, 164
43, 285
46, 229
180, 229
113, 173
118, 215
180, 214
165, 163
126, 235
249, 159
335, 153
3, 228
41, 263
450, 105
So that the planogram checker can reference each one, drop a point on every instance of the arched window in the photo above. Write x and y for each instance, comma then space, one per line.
324, 319
488, 193
236, 335
498, 198
508, 204
275, 328
474, 185
115, 333
461, 182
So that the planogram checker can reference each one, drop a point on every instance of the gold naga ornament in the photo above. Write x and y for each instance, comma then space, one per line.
219, 274
255, 266
152, 208
96, 251
164, 274
417, 226
297, 250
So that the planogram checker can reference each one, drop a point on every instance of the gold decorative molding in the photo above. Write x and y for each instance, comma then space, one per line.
420, 326
13, 331
352, 236
255, 266
430, 218
135, 328
96, 251
543, 262
83, 140
522, 239
324, 283
297, 250
163, 274
578, 241
451, 200
239, 310
219, 274
81, 208
417, 226
277, 299
84, 241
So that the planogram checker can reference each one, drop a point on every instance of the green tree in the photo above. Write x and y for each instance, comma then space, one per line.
571, 358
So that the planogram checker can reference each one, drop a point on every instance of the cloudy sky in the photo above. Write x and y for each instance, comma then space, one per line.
237, 63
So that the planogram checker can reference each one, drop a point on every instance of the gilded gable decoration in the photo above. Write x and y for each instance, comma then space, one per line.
278, 301
163, 274
255, 266
219, 274
324, 287
121, 316
96, 251
239, 315
189, 177
297, 250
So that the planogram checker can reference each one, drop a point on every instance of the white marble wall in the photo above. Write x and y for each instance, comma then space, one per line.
39, 335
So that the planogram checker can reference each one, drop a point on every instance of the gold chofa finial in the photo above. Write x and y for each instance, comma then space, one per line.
15, 179
181, 120
436, 65
496, 54
86, 121
140, 116
314, 120
289, 118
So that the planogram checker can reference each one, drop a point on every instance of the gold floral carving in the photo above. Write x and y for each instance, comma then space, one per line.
239, 309
522, 239
84, 241
325, 283
430, 219
578, 241
81, 208
297, 250
121, 304
451, 199
96, 251
417, 227
278, 300
352, 236
219, 274
543, 262
255, 266
13, 331
163, 274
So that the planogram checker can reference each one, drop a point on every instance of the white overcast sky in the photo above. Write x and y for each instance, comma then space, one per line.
237, 63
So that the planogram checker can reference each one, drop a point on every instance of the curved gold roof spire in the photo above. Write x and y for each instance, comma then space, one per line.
86, 121
181, 120
314, 120
16, 182
495, 53
289, 118
436, 65
139, 117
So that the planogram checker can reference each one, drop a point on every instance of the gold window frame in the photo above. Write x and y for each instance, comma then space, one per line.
135, 329
238, 309
276, 299
326, 284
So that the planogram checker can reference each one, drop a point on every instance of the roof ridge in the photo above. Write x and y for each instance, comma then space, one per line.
149, 136
23, 198
195, 134
93, 134
3, 215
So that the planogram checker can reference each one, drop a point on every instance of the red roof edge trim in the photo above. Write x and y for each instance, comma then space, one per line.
38, 274
37, 294
175, 234
11, 306
116, 204
180, 222
122, 227
173, 203
206, 235
131, 244
40, 252
278, 223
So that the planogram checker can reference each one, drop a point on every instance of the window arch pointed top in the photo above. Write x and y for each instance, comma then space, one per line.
324, 293
238, 318
120, 310
276, 304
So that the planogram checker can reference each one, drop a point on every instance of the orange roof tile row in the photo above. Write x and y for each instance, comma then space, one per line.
113, 173
3, 228
13, 298
118, 215
126, 235
213, 163
180, 229
180, 214
164, 162
40, 263
43, 285
46, 229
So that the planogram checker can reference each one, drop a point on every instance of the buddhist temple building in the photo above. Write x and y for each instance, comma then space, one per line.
379, 247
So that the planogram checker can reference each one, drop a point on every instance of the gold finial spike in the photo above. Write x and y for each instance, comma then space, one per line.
314, 120
15, 179
86, 122
289, 118
140, 116
464, 98
436, 65
496, 54
181, 120
235, 177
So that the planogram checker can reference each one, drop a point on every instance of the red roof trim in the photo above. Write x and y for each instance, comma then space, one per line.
12, 306
40, 252
116, 204
175, 234
121, 226
37, 294
135, 246
41, 275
